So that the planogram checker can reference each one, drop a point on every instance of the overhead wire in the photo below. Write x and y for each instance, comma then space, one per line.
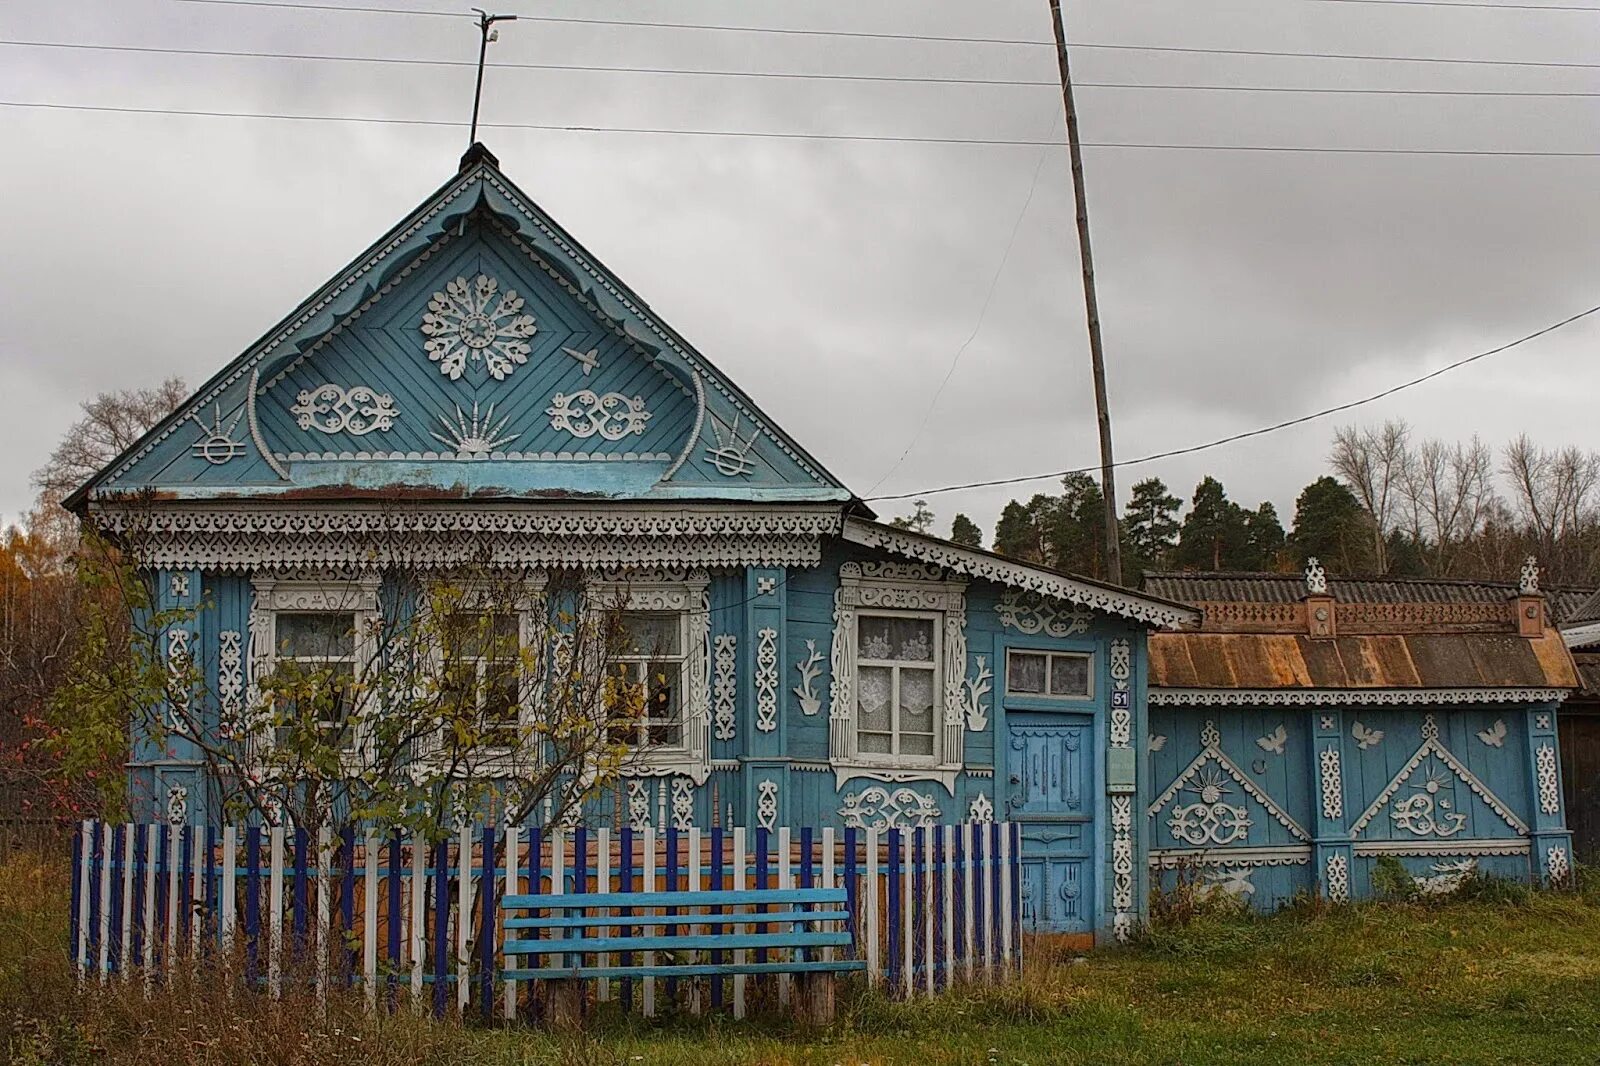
874, 35
1262, 431
977, 326
803, 136
1051, 83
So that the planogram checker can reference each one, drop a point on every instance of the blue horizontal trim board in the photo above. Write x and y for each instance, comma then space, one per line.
712, 942
697, 970
747, 897
587, 921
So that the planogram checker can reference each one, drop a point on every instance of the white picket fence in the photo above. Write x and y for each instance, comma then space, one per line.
405, 919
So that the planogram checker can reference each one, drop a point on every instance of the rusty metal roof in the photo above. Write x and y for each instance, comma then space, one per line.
1427, 660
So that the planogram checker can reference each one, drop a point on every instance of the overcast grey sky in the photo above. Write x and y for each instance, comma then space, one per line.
836, 280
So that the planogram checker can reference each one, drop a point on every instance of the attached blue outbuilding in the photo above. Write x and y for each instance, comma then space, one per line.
1314, 726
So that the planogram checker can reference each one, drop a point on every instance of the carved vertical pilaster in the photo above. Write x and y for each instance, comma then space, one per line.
1332, 857
1551, 841
763, 729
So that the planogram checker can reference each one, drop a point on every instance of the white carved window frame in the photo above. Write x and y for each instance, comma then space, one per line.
531, 610
356, 596
888, 589
687, 594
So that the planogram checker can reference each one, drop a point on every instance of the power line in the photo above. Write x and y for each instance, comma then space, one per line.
1191, 449
783, 75
799, 136
867, 35
983, 313
635, 23
1459, 3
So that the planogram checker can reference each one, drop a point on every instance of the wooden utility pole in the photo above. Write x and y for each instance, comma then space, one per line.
1091, 306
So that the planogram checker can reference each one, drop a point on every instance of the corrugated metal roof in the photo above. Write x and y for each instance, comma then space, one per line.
1291, 661
1567, 605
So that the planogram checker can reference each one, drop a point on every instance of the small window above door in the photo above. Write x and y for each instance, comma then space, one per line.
1050, 675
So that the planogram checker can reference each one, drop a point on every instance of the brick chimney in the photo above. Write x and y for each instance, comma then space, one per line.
1319, 604
1529, 603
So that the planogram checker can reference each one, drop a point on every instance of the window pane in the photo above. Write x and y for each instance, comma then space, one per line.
1025, 673
874, 744
316, 634
916, 744
1069, 675
873, 688
900, 639
649, 634
916, 700
481, 636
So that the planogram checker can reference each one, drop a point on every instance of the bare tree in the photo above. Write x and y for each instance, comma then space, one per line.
1375, 464
1555, 495
111, 422
1448, 491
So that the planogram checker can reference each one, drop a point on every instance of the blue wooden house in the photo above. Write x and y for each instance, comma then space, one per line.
1313, 726
476, 386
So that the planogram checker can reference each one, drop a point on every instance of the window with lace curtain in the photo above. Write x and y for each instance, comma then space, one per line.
898, 687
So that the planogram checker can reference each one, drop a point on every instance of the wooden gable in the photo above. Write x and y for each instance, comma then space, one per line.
475, 351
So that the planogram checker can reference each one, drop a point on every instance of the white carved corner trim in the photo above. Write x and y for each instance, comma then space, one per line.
810, 669
725, 696
976, 688
767, 679
694, 431
255, 427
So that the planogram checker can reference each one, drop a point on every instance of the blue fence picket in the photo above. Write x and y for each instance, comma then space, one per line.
347, 904
716, 886
625, 884
486, 934
441, 927
852, 890
393, 930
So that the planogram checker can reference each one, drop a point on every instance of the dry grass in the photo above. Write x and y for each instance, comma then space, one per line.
1505, 977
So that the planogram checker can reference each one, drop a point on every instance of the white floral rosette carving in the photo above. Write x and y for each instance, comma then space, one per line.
472, 321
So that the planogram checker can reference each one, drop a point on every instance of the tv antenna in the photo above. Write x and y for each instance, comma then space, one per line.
487, 33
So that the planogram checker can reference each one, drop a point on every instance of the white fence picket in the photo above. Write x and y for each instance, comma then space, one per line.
275, 914
947, 844
103, 963
417, 922
324, 909
1005, 894
828, 878
785, 880
464, 919
152, 853
226, 922
371, 852
174, 851
512, 888
968, 894
130, 834
602, 884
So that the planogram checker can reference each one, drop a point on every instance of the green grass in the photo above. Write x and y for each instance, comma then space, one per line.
1507, 977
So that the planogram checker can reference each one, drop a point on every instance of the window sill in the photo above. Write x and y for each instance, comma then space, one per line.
890, 773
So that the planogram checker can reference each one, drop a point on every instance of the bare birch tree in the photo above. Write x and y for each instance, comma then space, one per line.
1374, 463
1554, 492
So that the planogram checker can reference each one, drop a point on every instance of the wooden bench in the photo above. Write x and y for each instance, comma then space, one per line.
793, 938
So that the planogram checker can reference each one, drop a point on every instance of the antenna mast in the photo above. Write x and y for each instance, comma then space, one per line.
486, 34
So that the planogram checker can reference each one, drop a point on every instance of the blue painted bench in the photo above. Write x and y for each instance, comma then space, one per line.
781, 931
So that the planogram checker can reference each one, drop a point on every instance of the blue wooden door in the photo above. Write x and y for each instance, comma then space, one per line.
1050, 791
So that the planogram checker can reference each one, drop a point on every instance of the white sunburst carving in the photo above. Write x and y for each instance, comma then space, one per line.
472, 321
479, 435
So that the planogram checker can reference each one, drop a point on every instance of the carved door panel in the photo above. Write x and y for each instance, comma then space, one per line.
1050, 771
